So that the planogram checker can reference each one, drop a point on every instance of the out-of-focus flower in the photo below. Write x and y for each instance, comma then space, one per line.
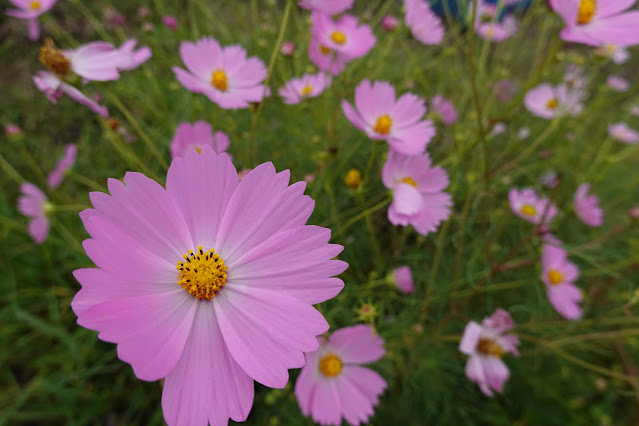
587, 206
418, 192
148, 27
623, 133
30, 11
195, 137
444, 108
143, 12
549, 179
402, 278
353, 179
598, 22
66, 162
529, 206
489, 27
574, 76
287, 48
634, 110
128, 58
498, 128
329, 7
634, 213
504, 90
617, 83
238, 305
170, 22
424, 25
383, 117
486, 344
333, 384
389, 22
523, 133
224, 74
548, 102
34, 204
307, 86
113, 18
558, 274
54, 88
12, 129
618, 54
325, 58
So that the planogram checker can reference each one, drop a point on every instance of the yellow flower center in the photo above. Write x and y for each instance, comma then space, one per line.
202, 274
330, 365
489, 347
338, 37
53, 58
325, 50
353, 179
586, 12
383, 124
552, 103
528, 210
409, 180
306, 90
219, 80
611, 48
35, 5
555, 277
198, 149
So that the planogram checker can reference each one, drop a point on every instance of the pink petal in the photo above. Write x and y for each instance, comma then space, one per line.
353, 116
307, 382
407, 199
326, 408
39, 229
358, 344
469, 340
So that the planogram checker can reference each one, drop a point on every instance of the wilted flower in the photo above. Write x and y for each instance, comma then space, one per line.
587, 206
548, 102
623, 133
30, 11
66, 162
34, 204
424, 25
558, 274
527, 205
51, 85
307, 86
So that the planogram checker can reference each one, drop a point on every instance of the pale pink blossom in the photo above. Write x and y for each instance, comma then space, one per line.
195, 137
307, 86
623, 133
424, 25
549, 102
444, 108
558, 274
402, 277
30, 11
529, 206
66, 162
587, 206
617, 83
34, 204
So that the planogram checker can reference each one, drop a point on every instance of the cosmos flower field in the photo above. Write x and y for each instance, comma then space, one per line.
331, 212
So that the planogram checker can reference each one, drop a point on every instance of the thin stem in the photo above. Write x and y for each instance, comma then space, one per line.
362, 215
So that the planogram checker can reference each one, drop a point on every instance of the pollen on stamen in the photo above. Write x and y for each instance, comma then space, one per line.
555, 277
338, 37
202, 273
409, 180
552, 103
587, 9
325, 50
53, 58
383, 124
528, 210
35, 5
219, 80
490, 347
330, 365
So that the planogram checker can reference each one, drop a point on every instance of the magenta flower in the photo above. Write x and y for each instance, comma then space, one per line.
398, 122
549, 102
170, 22
527, 205
587, 206
307, 86
238, 305
196, 136
485, 345
329, 7
34, 204
343, 38
418, 192
287, 48
54, 88
224, 74
389, 23
403, 279
30, 11
424, 25
617, 83
66, 162
333, 385
597, 22
444, 108
558, 274
623, 133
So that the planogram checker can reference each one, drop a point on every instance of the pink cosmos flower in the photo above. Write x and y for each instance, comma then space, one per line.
618, 54
170, 22
488, 27
587, 206
238, 305
224, 74
129, 58
398, 122
422, 22
548, 102
287, 48
617, 83
34, 204
389, 23
333, 385
143, 12
329, 7
66, 162
444, 108
550, 179
623, 133
486, 344
307, 86
498, 128
527, 205
325, 58
30, 11
418, 197
558, 274
196, 136
54, 88
403, 279
597, 22
12, 129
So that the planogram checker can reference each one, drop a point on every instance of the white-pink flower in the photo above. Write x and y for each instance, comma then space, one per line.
623, 133
307, 86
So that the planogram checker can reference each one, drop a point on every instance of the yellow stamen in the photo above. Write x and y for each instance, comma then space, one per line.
353, 179
528, 210
490, 347
202, 274
330, 365
306, 90
35, 5
587, 9
219, 80
555, 277
325, 50
611, 48
338, 37
552, 103
198, 149
53, 58
383, 124
409, 180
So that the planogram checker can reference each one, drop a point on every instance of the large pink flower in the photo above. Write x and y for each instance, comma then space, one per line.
196, 136
548, 102
35, 204
51, 85
558, 274
587, 206
529, 206
597, 22
424, 25
208, 283
66, 162
485, 345
307, 86
418, 192
224, 74
330, 7
397, 121
30, 11
333, 385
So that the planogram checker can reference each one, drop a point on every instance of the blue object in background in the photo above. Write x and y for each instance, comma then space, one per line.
458, 9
